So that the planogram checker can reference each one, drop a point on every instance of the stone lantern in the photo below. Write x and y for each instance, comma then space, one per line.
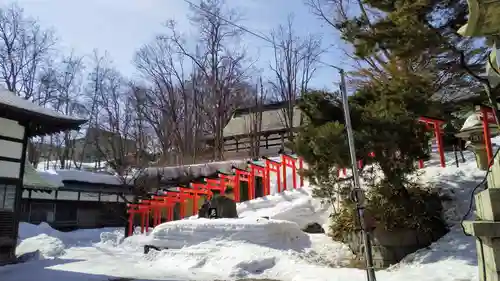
483, 18
484, 21
473, 132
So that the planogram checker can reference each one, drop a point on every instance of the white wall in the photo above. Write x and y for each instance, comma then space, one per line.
9, 169
10, 149
12, 129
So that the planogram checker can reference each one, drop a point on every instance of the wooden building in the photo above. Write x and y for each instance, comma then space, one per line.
20, 119
260, 131
69, 199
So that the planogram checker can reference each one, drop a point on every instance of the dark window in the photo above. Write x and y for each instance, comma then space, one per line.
66, 211
41, 212
88, 217
7, 197
112, 212
25, 210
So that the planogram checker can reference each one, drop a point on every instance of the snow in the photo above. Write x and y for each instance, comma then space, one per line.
269, 233
12, 100
195, 170
49, 247
474, 120
251, 247
292, 205
101, 166
57, 177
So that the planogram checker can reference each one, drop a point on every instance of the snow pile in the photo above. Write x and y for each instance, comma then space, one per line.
236, 259
453, 246
48, 246
260, 231
83, 237
457, 183
324, 251
292, 205
253, 247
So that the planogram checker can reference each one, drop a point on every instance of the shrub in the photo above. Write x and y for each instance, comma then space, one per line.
422, 210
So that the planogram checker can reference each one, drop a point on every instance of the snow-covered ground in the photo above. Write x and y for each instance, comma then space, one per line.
251, 247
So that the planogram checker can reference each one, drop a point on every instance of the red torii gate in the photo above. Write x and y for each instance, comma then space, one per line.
301, 167
169, 202
288, 161
225, 180
141, 209
490, 119
243, 176
156, 206
196, 190
272, 166
215, 184
179, 197
258, 171
438, 135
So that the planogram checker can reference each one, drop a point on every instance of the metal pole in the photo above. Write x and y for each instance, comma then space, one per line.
357, 192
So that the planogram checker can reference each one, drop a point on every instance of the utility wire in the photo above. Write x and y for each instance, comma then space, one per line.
255, 34
369, 260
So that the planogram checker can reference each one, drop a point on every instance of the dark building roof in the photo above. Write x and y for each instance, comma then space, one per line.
273, 119
264, 107
42, 120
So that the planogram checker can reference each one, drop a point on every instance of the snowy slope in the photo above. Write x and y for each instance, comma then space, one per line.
230, 250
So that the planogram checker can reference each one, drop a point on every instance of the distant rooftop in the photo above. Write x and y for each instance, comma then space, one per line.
273, 119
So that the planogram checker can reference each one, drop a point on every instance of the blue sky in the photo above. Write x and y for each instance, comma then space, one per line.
121, 27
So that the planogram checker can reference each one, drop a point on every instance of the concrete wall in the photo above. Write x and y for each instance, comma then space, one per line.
389, 247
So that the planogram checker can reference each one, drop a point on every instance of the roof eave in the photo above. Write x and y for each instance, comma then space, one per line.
41, 124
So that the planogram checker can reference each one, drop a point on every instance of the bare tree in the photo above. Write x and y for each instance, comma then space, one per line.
61, 87
169, 105
294, 64
219, 61
255, 121
67, 81
24, 46
183, 107
112, 130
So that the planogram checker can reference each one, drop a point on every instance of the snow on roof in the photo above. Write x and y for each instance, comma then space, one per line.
49, 121
271, 120
10, 99
38, 180
472, 121
195, 170
59, 176
52, 177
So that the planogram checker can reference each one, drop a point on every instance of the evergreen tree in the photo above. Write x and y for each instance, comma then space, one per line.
421, 33
411, 64
384, 117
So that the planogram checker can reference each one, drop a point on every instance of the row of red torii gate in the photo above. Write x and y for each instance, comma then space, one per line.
158, 205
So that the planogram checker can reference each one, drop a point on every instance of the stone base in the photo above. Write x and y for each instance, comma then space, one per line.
487, 207
481, 157
389, 247
482, 228
488, 247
